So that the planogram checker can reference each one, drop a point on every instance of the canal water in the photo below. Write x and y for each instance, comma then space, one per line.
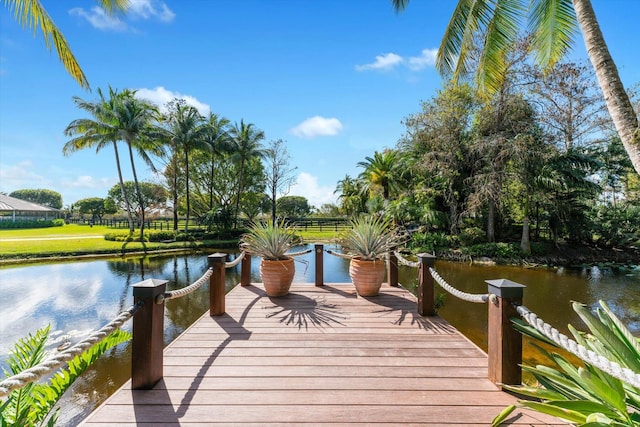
78, 297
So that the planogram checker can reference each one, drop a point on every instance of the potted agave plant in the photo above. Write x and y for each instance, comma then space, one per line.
369, 241
271, 241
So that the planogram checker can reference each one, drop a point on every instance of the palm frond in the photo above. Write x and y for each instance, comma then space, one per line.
553, 25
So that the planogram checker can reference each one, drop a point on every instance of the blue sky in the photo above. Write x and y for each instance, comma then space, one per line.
333, 78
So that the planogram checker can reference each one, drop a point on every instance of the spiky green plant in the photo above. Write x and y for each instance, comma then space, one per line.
585, 395
32, 404
269, 240
372, 237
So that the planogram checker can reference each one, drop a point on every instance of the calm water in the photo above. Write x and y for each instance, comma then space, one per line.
75, 298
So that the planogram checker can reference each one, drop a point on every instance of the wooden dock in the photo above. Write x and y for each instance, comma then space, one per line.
321, 356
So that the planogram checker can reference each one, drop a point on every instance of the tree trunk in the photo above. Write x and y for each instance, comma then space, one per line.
491, 222
186, 176
240, 190
525, 243
140, 200
124, 194
618, 103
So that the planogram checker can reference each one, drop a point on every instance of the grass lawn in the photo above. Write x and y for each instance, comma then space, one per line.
74, 239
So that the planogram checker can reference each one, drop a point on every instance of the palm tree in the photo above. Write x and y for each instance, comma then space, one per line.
31, 14
134, 120
552, 24
380, 171
246, 145
98, 132
188, 131
217, 136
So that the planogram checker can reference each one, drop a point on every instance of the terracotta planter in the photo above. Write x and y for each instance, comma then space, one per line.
277, 276
367, 276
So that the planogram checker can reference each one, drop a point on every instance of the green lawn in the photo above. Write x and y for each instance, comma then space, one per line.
73, 239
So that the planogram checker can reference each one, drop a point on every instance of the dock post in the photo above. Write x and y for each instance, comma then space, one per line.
245, 270
148, 334
217, 284
426, 294
504, 342
319, 249
392, 269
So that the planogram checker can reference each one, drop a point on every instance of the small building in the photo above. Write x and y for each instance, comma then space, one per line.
12, 209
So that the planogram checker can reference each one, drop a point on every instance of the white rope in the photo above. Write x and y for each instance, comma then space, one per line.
294, 254
404, 261
235, 261
477, 298
589, 356
50, 364
339, 255
177, 293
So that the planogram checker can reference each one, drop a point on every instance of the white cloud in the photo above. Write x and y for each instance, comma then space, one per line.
317, 126
389, 61
138, 9
426, 59
99, 19
383, 62
147, 9
20, 175
87, 181
307, 186
161, 96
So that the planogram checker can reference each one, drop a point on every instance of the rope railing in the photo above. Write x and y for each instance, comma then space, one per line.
47, 366
177, 293
612, 368
477, 298
295, 254
404, 261
235, 261
338, 254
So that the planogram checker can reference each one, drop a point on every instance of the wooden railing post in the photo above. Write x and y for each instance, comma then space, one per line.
392, 269
217, 284
148, 335
426, 294
245, 270
319, 249
504, 342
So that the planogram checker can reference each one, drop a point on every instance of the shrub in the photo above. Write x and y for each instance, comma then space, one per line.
494, 250
120, 236
471, 236
42, 223
160, 236
431, 242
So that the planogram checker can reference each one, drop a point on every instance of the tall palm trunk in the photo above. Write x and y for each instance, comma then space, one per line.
491, 222
124, 194
618, 103
138, 192
240, 190
525, 241
186, 176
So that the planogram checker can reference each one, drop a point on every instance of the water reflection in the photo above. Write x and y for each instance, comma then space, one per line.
75, 298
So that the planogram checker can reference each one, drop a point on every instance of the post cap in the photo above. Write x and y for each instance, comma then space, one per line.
505, 288
217, 257
149, 288
426, 258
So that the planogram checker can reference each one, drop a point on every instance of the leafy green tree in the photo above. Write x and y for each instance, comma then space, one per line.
246, 145
95, 206
98, 132
31, 14
218, 138
154, 197
43, 197
293, 206
552, 24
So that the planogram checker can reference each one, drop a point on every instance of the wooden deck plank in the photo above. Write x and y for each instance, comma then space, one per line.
320, 356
